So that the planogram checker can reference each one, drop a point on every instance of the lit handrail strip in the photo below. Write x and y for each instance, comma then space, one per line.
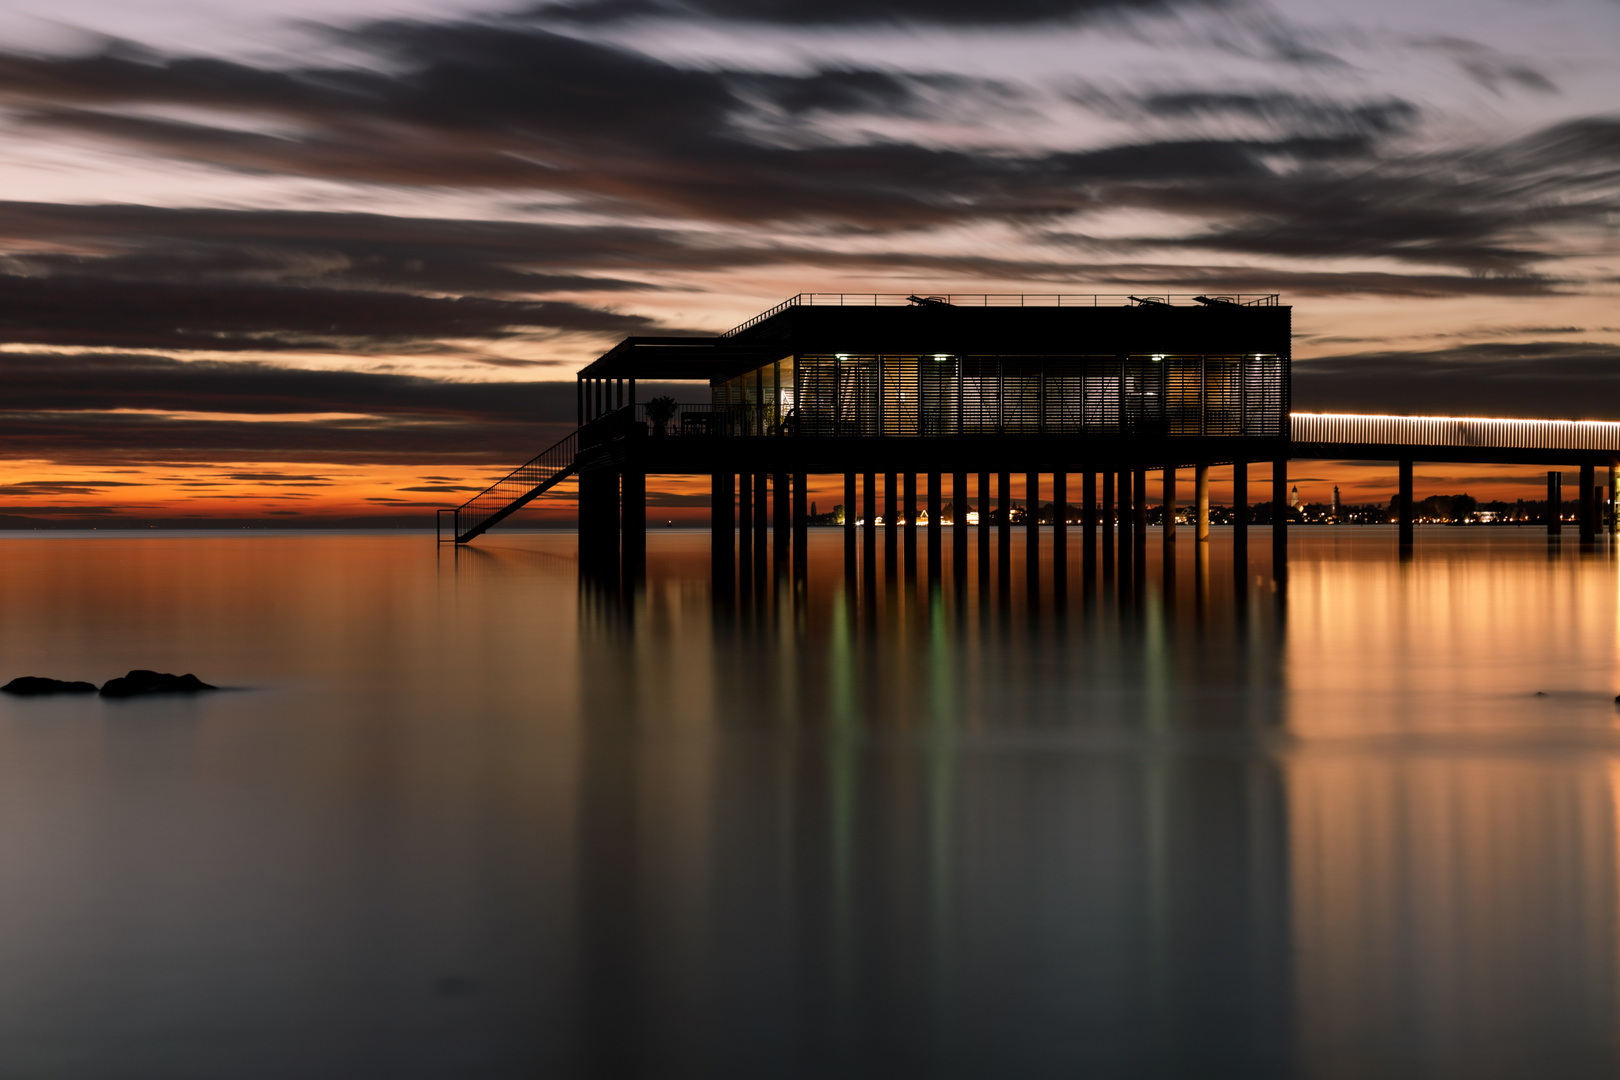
1465, 431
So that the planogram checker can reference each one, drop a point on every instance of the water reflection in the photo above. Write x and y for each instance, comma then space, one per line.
1172, 831
483, 817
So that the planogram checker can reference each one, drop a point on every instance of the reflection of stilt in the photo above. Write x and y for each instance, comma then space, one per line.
1060, 535
801, 521
1201, 580
908, 514
721, 533
851, 565
781, 525
762, 530
1201, 533
959, 528
745, 534
1555, 503
1108, 523
984, 532
936, 525
1201, 503
1127, 538
633, 523
1169, 485
1004, 534
1279, 522
1240, 522
1588, 508
1140, 508
1032, 538
1088, 532
1168, 578
1403, 510
869, 541
891, 526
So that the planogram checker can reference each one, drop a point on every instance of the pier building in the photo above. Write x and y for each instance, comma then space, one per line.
974, 388
932, 408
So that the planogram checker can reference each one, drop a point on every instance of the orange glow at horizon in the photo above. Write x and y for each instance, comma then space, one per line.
293, 489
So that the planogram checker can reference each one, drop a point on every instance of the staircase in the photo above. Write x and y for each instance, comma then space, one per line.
528, 481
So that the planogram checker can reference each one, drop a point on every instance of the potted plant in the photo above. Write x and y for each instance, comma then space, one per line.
661, 410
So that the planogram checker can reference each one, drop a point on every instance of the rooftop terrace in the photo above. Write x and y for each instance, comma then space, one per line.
1010, 300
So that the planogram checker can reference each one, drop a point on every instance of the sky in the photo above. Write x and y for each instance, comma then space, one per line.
318, 262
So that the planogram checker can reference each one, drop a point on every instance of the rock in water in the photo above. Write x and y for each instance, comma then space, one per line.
153, 682
32, 685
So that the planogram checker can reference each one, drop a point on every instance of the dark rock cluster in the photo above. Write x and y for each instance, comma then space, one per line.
153, 682
134, 684
32, 686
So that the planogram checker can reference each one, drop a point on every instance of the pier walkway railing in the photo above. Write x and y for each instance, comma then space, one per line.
1352, 429
1310, 435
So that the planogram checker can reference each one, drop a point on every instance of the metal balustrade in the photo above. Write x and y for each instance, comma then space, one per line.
1464, 431
1048, 412
1008, 300
530, 480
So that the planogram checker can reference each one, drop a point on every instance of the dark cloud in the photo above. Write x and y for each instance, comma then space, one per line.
1546, 379
1486, 210
866, 12
63, 413
89, 438
102, 312
111, 409
1494, 70
1282, 110
327, 249
89, 382
61, 487
67, 511
516, 106
276, 477
855, 91
513, 105
1319, 283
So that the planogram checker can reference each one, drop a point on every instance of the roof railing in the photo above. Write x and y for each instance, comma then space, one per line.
1007, 300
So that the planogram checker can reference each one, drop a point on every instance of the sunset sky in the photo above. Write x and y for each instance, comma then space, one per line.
324, 261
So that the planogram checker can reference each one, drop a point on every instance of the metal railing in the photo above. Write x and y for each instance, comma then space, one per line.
1009, 300
530, 480
687, 421
1486, 432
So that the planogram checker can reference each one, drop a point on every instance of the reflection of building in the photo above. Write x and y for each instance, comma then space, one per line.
1464, 904
1453, 890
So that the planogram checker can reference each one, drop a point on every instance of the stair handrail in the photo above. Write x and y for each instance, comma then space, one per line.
528, 481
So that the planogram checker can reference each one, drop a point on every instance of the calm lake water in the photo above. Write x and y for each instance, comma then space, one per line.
464, 818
